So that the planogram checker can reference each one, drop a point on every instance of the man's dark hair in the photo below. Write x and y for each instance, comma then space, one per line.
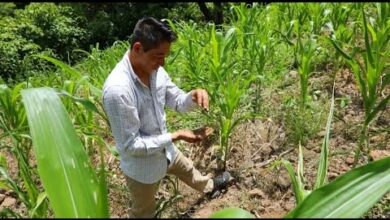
151, 33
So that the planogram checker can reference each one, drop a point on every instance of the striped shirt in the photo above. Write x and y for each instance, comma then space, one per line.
137, 119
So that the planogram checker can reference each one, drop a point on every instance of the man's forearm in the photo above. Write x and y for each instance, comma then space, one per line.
147, 145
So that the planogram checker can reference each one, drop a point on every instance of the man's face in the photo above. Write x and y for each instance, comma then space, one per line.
154, 58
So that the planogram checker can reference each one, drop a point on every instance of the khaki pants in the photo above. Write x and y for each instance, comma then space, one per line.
142, 195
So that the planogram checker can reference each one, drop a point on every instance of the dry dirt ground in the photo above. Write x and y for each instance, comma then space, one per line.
258, 187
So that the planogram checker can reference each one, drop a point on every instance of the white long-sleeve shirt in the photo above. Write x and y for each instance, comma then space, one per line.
137, 118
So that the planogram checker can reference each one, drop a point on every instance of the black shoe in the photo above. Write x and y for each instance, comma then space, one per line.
220, 182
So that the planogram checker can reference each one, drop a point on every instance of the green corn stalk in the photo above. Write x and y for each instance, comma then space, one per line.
371, 76
232, 92
32, 199
225, 83
228, 87
304, 51
193, 55
76, 191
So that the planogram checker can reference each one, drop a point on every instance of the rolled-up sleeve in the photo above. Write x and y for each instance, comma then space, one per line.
119, 105
176, 98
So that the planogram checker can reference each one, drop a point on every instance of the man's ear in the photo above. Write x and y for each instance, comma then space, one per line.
137, 47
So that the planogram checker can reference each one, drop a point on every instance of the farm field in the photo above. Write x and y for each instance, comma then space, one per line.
299, 97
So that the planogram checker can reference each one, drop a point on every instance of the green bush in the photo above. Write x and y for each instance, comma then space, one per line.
7, 9
52, 26
40, 27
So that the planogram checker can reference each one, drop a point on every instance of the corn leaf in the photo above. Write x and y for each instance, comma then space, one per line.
72, 72
40, 201
297, 186
66, 173
348, 196
323, 164
232, 213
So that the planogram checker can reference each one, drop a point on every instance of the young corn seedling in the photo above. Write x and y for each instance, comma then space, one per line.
232, 92
341, 30
371, 76
304, 58
255, 45
304, 51
317, 16
193, 55
226, 89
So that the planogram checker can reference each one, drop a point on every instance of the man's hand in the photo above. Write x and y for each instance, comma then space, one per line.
200, 97
192, 136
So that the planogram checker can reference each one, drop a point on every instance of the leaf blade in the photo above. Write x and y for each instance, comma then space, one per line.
59, 152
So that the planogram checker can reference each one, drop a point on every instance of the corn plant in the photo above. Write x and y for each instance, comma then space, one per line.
29, 195
371, 76
193, 53
342, 198
98, 65
227, 89
82, 108
303, 39
14, 126
75, 191
255, 45
306, 53
340, 28
216, 71
317, 16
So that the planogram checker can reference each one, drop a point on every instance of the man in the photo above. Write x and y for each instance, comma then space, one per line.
134, 96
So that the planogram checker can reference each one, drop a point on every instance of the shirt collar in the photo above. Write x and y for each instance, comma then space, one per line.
131, 71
